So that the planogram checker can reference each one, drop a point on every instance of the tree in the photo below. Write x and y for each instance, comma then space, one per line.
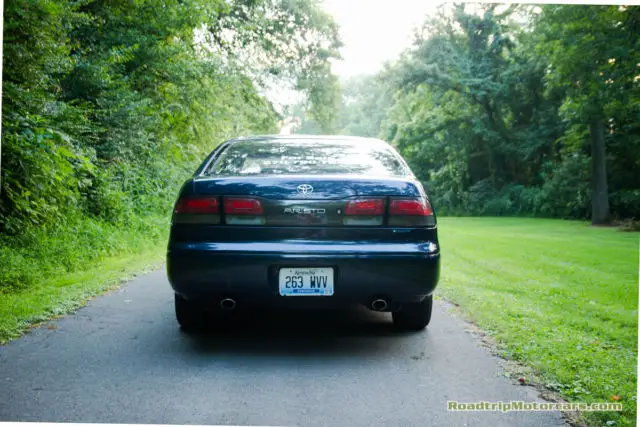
494, 115
591, 52
108, 105
475, 87
287, 42
365, 100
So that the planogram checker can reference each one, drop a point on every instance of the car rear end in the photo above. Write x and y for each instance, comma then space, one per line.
307, 222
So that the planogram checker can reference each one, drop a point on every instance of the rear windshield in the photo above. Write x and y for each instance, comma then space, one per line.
302, 157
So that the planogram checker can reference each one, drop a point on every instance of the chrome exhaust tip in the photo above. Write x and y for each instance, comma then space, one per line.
228, 304
379, 305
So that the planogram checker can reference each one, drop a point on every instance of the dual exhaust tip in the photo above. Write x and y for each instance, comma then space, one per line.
227, 304
379, 304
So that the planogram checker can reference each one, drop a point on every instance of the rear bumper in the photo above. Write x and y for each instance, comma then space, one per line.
248, 271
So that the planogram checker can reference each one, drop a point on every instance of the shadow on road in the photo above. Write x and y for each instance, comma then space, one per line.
296, 332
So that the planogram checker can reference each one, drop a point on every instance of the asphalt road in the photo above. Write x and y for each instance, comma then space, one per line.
122, 359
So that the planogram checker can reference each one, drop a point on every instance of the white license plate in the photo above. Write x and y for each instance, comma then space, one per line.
306, 281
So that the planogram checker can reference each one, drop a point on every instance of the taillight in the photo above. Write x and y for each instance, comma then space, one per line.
198, 210
242, 206
365, 207
411, 212
410, 207
204, 205
243, 211
364, 212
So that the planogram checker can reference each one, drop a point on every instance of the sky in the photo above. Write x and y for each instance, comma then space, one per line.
374, 31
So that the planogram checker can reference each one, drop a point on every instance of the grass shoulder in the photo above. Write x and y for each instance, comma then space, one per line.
560, 297
55, 272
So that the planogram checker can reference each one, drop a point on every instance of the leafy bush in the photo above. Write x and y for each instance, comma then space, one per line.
629, 225
39, 173
16, 271
627, 202
104, 199
565, 192
74, 245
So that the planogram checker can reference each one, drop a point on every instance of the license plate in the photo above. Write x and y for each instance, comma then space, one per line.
306, 281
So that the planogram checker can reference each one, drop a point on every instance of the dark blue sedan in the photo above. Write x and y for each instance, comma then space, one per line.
304, 221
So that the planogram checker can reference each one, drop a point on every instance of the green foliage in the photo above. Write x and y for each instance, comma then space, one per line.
109, 105
289, 42
490, 108
365, 100
53, 271
565, 192
73, 245
40, 178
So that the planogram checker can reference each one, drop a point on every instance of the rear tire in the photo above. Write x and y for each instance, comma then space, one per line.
189, 316
414, 316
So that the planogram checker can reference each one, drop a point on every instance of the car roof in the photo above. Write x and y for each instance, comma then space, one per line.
258, 138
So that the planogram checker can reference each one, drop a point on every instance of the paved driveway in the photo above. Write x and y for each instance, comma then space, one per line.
122, 359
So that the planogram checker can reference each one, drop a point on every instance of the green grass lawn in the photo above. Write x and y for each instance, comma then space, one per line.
62, 295
55, 272
559, 296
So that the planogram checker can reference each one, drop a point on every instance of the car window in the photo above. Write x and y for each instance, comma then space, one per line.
308, 157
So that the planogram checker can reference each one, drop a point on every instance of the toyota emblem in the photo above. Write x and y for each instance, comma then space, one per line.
305, 189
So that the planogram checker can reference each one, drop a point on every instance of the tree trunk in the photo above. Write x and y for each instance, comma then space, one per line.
600, 191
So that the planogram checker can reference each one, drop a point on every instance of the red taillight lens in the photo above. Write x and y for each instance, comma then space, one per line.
372, 207
198, 205
242, 206
418, 207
